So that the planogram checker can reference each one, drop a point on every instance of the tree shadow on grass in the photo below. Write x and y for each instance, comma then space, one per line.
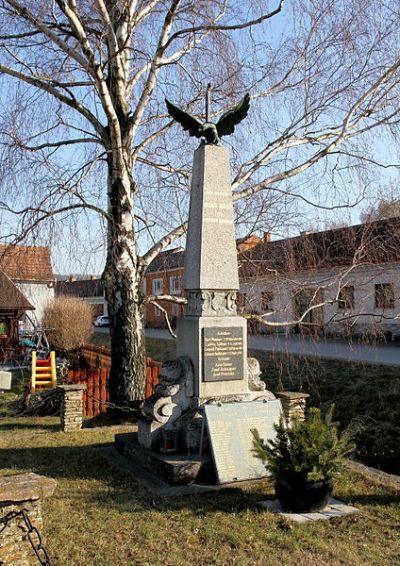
122, 491
49, 427
383, 496
59, 462
125, 494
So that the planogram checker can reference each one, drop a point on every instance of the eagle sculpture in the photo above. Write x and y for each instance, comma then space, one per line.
211, 132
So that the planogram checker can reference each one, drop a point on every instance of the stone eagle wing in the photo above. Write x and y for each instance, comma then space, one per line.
186, 120
226, 124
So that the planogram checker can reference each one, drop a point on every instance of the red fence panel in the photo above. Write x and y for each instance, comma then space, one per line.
104, 374
96, 379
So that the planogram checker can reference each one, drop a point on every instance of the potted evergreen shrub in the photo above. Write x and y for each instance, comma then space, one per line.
303, 460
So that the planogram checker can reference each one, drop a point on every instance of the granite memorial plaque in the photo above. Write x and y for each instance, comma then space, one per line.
222, 353
229, 427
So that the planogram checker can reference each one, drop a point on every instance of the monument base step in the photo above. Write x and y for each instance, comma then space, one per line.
175, 469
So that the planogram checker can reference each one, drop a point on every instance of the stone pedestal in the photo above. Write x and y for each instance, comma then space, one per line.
71, 406
18, 493
293, 404
211, 338
203, 340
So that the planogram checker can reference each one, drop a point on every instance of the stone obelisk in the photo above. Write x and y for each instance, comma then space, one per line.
211, 333
211, 369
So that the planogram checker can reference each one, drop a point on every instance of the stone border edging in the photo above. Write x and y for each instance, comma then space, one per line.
20, 516
373, 474
25, 487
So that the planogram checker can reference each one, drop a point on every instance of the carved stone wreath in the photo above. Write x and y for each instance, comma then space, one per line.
211, 303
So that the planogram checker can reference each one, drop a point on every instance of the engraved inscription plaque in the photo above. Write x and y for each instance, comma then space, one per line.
229, 428
222, 353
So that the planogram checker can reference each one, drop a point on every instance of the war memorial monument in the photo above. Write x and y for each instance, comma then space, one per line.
197, 425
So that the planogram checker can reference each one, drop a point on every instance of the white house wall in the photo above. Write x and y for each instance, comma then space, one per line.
365, 317
38, 294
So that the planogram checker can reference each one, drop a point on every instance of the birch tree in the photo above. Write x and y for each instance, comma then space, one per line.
84, 119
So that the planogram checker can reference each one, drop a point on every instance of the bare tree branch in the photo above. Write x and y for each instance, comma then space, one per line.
220, 27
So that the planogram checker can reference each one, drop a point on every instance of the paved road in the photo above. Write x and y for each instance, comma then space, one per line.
101, 329
388, 355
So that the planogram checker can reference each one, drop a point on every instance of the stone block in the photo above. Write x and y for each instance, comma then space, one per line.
190, 343
333, 509
17, 493
71, 406
293, 404
172, 468
5, 380
26, 487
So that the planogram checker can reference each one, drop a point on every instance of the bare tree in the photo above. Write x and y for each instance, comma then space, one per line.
85, 87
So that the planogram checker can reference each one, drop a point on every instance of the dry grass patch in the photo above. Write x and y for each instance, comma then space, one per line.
100, 516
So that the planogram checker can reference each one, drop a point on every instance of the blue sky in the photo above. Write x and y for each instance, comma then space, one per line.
78, 243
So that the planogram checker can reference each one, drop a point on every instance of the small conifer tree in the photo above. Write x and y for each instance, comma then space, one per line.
307, 451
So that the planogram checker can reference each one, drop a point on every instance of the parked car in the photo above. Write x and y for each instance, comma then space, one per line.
102, 320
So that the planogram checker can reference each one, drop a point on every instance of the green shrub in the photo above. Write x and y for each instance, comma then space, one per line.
307, 451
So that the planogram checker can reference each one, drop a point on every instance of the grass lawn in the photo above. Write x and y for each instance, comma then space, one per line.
100, 516
366, 393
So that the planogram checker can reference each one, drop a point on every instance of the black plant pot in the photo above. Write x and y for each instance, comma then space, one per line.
304, 497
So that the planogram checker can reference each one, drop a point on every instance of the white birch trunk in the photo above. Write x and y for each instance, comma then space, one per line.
124, 295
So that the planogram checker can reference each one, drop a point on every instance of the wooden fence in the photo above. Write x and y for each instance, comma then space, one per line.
96, 379
96, 394
97, 356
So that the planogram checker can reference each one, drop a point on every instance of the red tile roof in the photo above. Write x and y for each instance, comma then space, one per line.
26, 263
11, 298
374, 242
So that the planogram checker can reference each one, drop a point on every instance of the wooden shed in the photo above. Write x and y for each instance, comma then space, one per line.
13, 304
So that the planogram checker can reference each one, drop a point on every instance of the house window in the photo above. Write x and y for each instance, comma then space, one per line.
175, 285
384, 296
346, 298
266, 301
4, 328
157, 311
157, 286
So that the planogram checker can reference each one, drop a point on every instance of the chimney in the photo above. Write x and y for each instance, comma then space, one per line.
266, 237
248, 243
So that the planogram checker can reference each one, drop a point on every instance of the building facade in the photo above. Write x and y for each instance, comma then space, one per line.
344, 281
164, 277
13, 305
30, 270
